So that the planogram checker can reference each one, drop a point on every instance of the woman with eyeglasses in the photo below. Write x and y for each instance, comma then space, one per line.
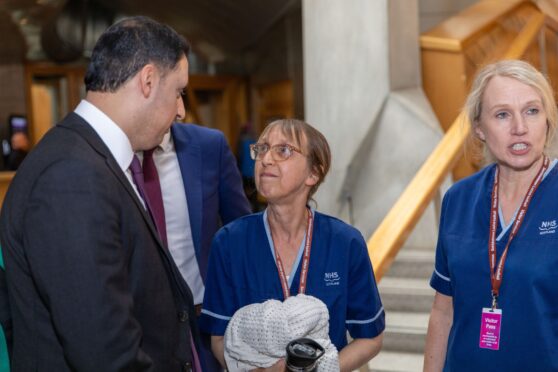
291, 248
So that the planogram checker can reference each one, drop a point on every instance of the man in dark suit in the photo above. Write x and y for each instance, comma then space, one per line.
91, 286
201, 190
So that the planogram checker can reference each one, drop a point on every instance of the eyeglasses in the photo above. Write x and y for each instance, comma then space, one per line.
279, 152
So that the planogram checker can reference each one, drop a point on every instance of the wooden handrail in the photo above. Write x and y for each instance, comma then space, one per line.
392, 232
525, 37
454, 34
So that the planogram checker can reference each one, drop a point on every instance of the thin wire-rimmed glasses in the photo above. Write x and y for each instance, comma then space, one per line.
279, 152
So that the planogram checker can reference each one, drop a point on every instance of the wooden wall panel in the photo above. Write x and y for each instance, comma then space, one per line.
455, 50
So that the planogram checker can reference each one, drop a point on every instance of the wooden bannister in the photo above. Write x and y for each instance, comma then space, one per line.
526, 37
392, 232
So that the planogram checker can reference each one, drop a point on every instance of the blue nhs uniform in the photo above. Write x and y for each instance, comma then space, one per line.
529, 291
242, 271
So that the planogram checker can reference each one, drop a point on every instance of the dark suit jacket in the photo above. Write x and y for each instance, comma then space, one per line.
212, 183
90, 286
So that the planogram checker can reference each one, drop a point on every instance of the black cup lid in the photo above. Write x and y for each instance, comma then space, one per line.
303, 352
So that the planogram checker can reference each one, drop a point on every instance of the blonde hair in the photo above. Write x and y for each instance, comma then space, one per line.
317, 149
522, 72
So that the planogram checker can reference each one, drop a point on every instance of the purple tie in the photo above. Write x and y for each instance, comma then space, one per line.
153, 192
149, 188
137, 175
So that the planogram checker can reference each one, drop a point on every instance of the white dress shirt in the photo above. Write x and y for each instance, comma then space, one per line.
114, 138
179, 233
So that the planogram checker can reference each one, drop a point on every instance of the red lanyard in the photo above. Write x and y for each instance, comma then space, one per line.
496, 271
305, 261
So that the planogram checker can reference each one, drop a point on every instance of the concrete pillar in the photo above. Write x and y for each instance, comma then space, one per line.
345, 76
363, 91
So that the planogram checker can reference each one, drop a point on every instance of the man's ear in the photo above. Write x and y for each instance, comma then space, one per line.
478, 131
148, 76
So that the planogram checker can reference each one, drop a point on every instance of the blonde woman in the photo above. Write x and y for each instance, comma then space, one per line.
497, 257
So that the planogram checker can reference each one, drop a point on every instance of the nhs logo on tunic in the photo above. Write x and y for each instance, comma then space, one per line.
548, 227
331, 278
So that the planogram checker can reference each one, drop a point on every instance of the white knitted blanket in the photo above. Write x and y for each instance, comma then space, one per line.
258, 334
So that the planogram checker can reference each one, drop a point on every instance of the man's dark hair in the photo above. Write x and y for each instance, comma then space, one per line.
127, 46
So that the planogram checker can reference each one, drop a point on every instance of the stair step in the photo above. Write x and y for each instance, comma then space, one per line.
404, 294
391, 361
413, 263
405, 331
407, 298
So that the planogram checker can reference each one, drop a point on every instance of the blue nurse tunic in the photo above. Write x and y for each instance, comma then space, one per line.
529, 291
242, 271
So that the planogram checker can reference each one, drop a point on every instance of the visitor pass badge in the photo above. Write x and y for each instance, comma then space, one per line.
491, 321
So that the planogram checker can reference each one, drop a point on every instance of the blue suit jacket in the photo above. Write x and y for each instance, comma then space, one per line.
212, 183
